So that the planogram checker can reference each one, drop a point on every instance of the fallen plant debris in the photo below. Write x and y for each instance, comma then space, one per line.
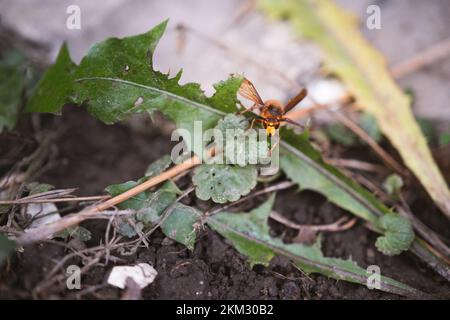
116, 80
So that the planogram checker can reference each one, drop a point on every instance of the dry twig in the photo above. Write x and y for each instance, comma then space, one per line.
74, 219
341, 224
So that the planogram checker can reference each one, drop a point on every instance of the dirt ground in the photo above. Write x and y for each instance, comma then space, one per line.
90, 155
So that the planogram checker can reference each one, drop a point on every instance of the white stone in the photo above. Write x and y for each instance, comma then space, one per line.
143, 274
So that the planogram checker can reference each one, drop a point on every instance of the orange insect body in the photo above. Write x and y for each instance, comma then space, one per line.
272, 114
272, 111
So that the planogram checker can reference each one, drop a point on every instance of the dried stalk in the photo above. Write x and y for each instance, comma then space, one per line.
355, 164
341, 224
422, 59
25, 200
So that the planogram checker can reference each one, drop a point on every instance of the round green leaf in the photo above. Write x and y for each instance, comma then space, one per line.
393, 184
398, 234
223, 183
240, 145
158, 166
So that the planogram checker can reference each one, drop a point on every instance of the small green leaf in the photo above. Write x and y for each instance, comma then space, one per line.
155, 205
305, 166
6, 246
77, 232
225, 96
393, 184
223, 183
232, 122
137, 202
249, 234
179, 225
11, 88
340, 134
36, 187
398, 234
158, 166
55, 87
125, 228
116, 79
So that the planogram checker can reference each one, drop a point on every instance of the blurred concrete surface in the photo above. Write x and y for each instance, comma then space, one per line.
261, 50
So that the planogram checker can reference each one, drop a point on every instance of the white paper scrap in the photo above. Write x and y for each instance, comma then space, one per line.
143, 274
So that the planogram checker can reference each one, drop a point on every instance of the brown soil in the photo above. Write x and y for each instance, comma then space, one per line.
91, 155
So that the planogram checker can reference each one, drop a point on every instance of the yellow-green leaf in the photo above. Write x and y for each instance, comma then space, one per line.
364, 72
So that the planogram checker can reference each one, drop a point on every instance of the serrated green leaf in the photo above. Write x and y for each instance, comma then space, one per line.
249, 234
6, 246
11, 88
223, 183
155, 205
234, 143
241, 146
55, 87
149, 209
128, 226
116, 79
232, 122
364, 72
341, 134
143, 200
398, 234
